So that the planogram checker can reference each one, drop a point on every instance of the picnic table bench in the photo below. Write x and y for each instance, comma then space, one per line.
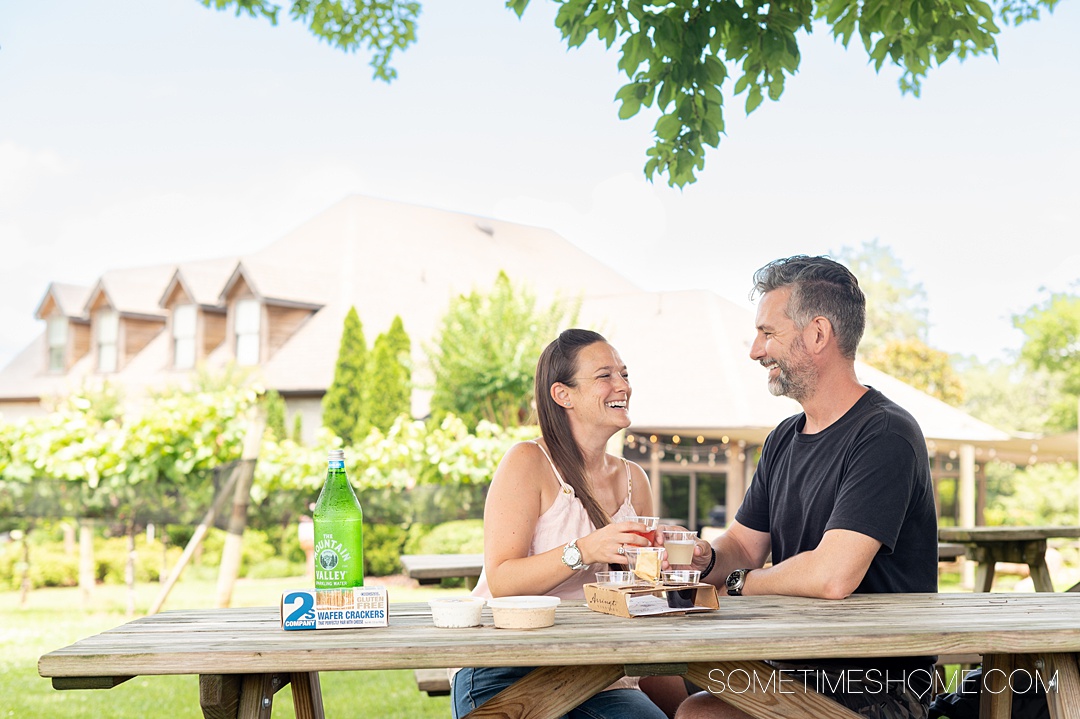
1020, 545
431, 568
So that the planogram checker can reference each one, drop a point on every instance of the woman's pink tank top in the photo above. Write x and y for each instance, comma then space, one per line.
565, 520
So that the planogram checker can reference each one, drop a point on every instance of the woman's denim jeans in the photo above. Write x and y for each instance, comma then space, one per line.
474, 686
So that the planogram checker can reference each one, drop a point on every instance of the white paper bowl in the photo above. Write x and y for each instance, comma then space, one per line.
525, 612
454, 612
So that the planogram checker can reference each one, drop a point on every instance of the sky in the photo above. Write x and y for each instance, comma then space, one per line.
136, 133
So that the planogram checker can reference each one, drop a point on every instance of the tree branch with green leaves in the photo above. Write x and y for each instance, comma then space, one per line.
679, 54
382, 26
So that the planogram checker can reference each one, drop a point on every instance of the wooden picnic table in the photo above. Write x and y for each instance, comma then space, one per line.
430, 568
1021, 545
242, 656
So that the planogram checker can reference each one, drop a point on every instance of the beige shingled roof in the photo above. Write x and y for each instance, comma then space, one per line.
689, 359
134, 291
201, 280
70, 299
387, 258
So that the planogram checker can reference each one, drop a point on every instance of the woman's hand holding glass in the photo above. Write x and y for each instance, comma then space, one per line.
608, 544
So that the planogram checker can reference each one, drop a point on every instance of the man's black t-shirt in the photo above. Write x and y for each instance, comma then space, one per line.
869, 473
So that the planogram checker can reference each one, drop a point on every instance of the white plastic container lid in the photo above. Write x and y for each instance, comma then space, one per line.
456, 611
534, 601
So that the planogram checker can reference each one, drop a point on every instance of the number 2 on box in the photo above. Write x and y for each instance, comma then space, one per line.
307, 606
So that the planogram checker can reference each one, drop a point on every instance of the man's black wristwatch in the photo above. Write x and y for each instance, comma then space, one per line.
735, 582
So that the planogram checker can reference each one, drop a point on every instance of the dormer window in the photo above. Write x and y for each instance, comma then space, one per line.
246, 327
107, 330
57, 332
183, 336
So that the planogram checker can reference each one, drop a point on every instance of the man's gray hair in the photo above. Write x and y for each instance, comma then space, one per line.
821, 287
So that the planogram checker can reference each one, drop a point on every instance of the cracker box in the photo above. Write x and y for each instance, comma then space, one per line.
334, 608
651, 600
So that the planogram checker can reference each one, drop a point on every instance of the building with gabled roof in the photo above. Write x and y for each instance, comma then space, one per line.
280, 311
700, 406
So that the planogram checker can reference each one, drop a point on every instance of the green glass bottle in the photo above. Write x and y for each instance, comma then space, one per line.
339, 530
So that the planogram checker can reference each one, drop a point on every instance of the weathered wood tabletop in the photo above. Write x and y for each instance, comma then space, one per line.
244, 654
1020, 545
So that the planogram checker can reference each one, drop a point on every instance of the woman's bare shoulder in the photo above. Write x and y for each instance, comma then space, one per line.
636, 472
522, 457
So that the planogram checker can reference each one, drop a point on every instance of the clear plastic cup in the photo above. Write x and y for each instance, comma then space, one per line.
614, 579
681, 576
680, 547
633, 559
650, 527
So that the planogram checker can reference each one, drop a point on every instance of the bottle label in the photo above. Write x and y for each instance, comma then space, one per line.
339, 554
337, 464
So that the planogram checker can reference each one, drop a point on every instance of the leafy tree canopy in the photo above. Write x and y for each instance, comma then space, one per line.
679, 54
485, 351
896, 307
921, 366
382, 25
896, 323
1037, 495
1052, 331
1009, 396
388, 377
343, 404
275, 415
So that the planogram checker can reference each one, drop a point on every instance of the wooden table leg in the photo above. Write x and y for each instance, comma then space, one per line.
984, 573
548, 692
995, 696
219, 695
764, 698
307, 695
1040, 576
1063, 699
241, 696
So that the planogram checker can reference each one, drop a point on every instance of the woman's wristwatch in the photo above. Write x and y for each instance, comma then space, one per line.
571, 556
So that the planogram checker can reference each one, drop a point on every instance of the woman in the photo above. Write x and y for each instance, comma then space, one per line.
557, 507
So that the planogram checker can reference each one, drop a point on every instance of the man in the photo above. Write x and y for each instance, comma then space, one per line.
842, 497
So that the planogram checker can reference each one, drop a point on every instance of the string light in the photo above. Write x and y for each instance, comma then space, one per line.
702, 450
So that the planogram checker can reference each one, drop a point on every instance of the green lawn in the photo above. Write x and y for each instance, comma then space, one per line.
53, 618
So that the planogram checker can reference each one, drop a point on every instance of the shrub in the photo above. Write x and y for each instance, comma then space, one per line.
414, 536
255, 548
110, 559
275, 567
463, 536
50, 566
382, 549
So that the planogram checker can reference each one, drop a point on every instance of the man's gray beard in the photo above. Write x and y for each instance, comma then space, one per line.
796, 386
782, 387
